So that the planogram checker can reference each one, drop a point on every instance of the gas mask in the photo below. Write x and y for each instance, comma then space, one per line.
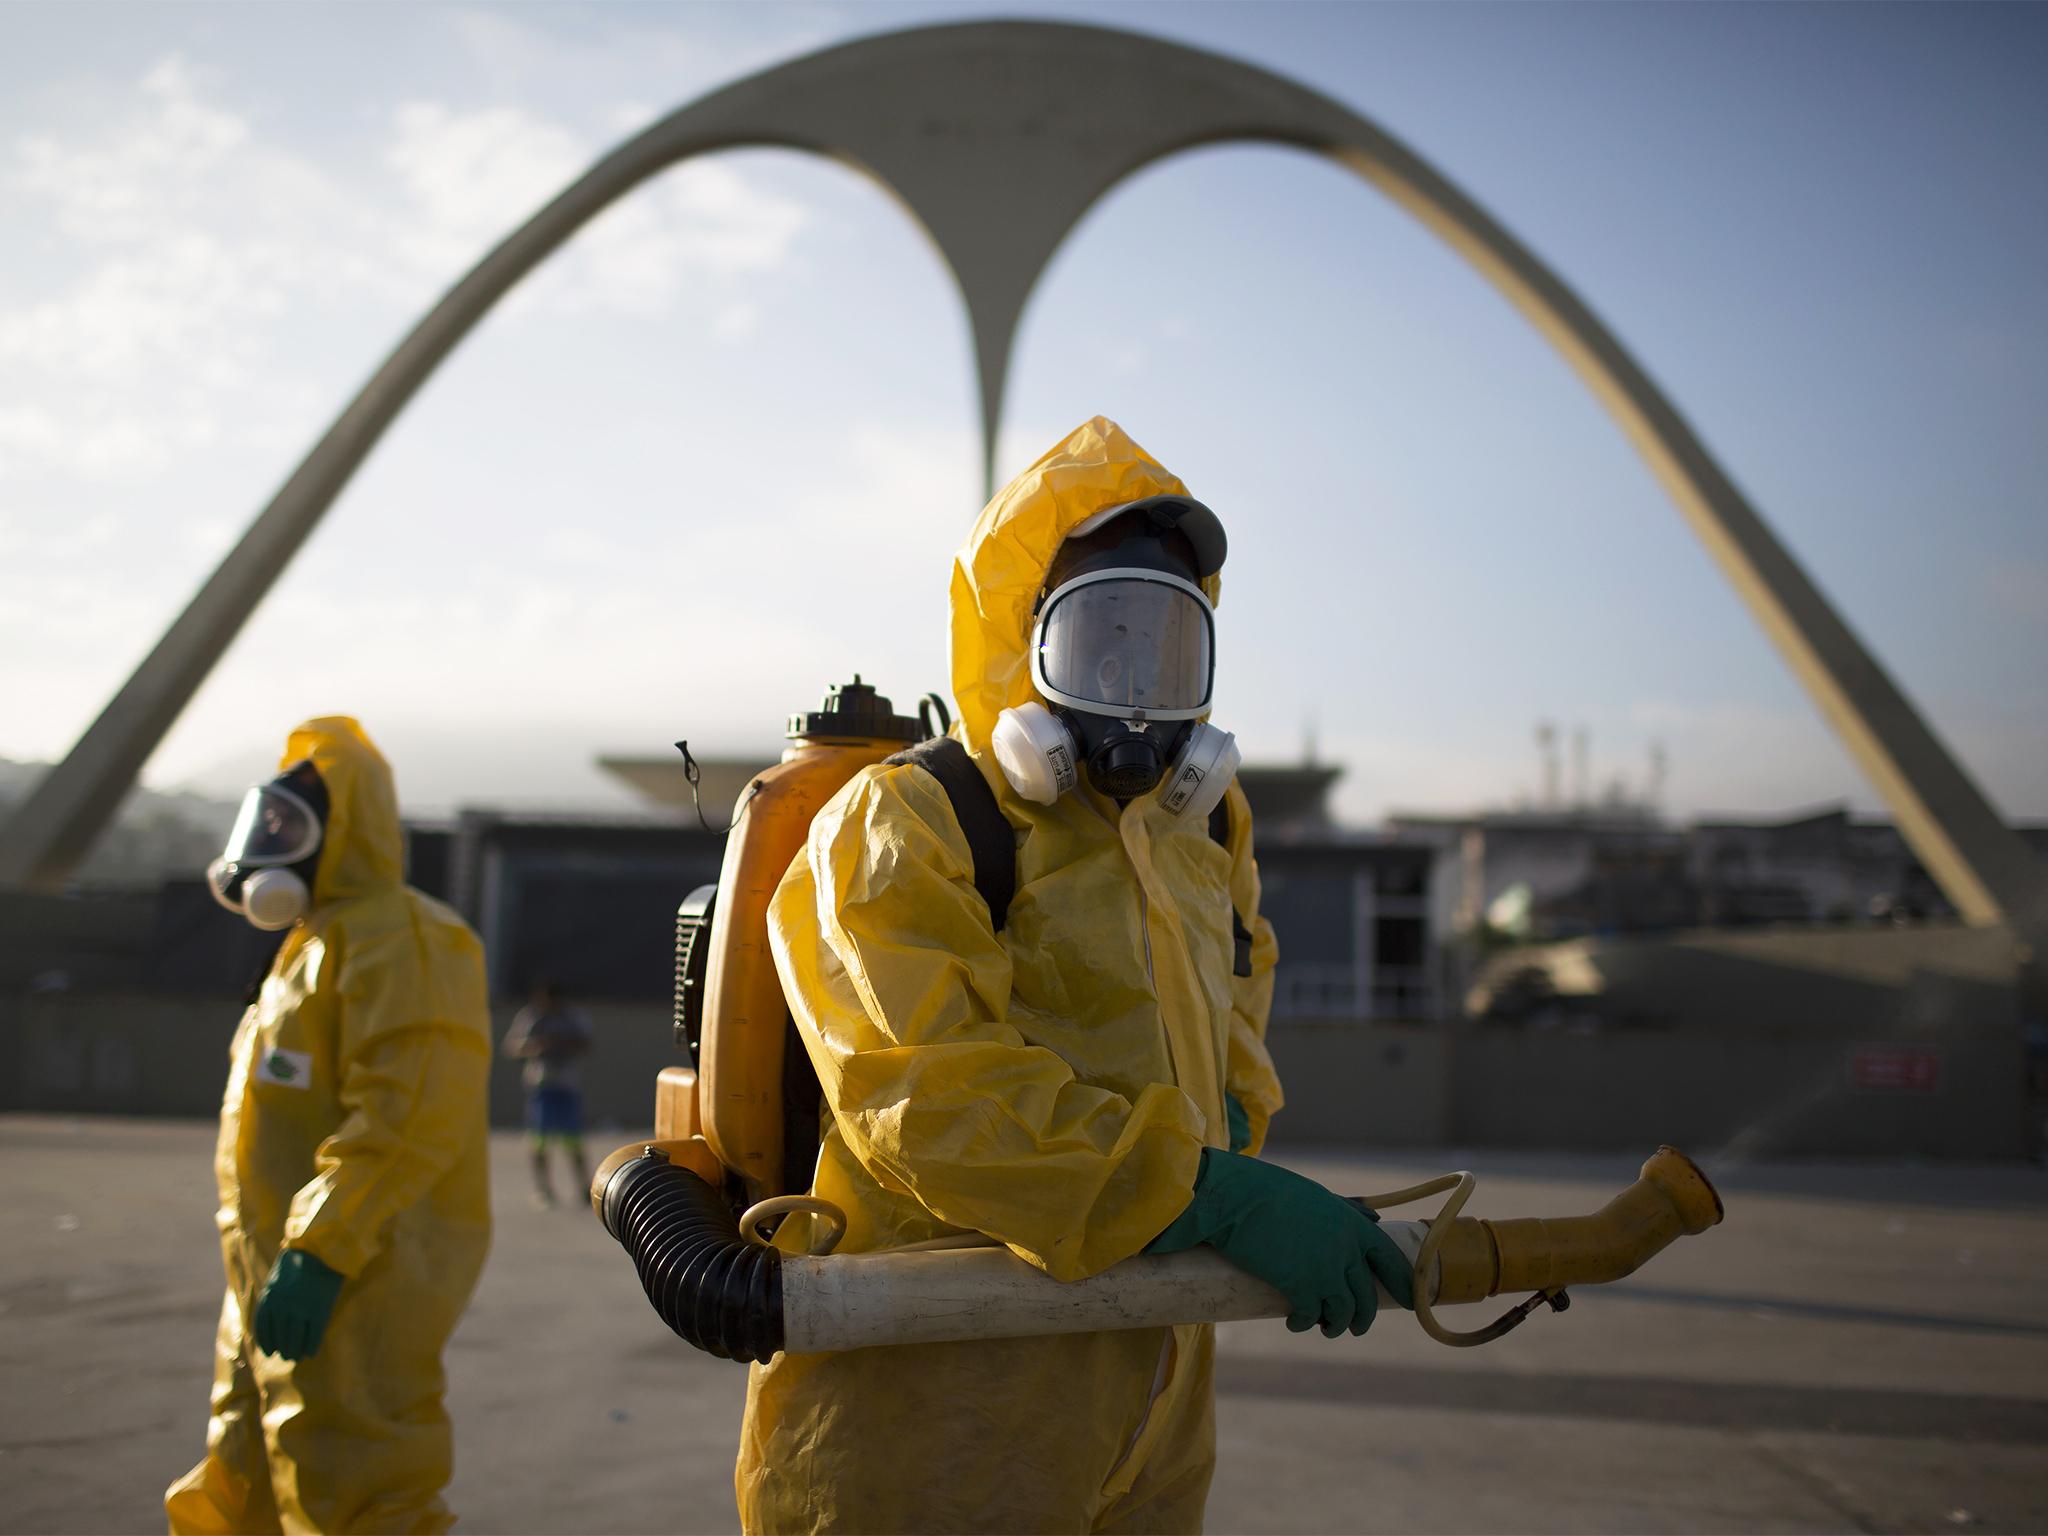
266, 871
1123, 654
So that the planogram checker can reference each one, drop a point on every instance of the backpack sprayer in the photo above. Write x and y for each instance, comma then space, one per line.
736, 1133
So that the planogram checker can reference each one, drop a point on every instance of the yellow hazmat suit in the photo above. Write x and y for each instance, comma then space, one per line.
1052, 1086
354, 1128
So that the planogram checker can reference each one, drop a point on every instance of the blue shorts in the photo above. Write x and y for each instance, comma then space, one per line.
555, 1112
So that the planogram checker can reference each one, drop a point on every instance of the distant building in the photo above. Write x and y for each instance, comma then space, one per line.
1823, 867
1820, 1038
1622, 869
587, 903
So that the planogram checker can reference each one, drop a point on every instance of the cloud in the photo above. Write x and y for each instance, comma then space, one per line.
181, 238
196, 246
472, 176
736, 322
120, 188
192, 291
594, 639
111, 447
625, 54
135, 310
629, 117
700, 221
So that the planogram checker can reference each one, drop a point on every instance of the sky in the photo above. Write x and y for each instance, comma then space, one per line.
719, 451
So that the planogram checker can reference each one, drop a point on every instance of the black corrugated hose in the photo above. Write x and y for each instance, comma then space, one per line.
714, 1288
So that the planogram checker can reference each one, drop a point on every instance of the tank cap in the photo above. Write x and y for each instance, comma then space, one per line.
855, 709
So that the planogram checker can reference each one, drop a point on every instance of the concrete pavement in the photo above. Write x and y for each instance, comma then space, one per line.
1858, 1348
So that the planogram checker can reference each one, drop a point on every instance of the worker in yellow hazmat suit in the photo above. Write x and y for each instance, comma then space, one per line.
1057, 1085
354, 1197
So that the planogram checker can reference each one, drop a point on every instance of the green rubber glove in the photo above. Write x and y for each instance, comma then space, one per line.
292, 1312
1240, 1123
1321, 1252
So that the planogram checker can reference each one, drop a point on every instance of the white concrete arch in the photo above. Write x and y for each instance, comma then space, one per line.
996, 137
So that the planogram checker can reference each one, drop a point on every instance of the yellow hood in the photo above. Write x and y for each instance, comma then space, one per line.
365, 849
997, 576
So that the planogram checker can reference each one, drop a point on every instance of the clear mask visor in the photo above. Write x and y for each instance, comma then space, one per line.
1136, 641
274, 827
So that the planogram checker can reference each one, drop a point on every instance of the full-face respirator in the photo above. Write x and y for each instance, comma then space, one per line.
266, 871
1123, 655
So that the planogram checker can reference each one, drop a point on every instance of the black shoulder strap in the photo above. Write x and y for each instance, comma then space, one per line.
993, 844
1240, 936
989, 838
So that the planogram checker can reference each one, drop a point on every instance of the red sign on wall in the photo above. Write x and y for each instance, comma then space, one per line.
1895, 1068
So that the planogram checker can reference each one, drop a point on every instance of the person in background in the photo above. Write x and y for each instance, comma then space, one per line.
352, 1164
552, 1038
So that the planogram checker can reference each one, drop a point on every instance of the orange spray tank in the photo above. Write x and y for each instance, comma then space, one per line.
746, 1109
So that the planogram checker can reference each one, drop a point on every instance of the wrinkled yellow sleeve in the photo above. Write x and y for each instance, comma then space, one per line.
900, 988
1249, 1072
414, 1071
